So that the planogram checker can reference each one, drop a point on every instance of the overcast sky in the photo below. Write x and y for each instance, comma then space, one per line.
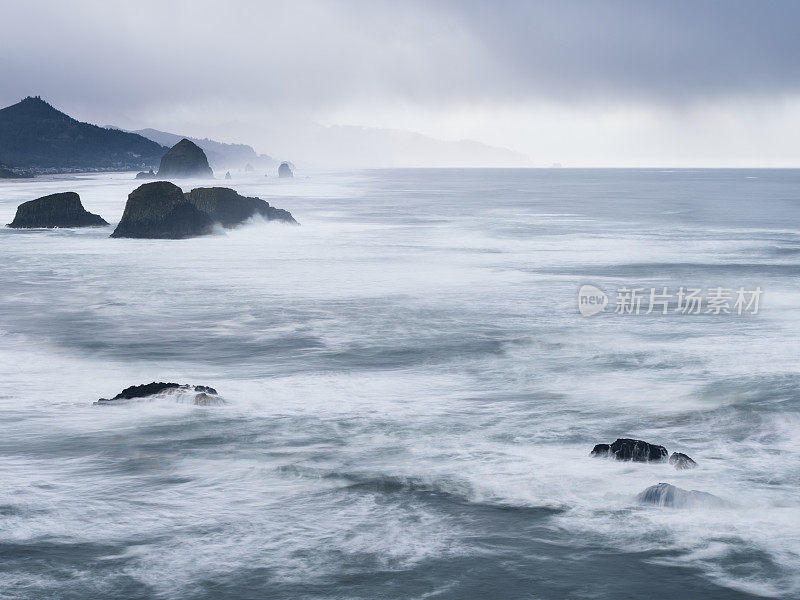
595, 83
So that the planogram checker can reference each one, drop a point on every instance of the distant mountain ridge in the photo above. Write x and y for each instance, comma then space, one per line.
220, 155
37, 137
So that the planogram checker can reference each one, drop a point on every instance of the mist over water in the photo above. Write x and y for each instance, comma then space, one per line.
412, 393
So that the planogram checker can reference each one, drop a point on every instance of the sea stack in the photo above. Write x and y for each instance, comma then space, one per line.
159, 210
229, 209
56, 210
285, 170
185, 159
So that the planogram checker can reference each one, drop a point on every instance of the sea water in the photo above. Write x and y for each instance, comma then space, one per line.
412, 393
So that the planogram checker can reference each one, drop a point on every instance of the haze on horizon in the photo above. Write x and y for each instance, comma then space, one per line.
591, 83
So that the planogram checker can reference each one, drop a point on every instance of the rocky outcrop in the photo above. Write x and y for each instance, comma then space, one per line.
681, 461
669, 496
285, 170
159, 210
229, 209
184, 159
146, 175
199, 395
227, 175
56, 210
629, 449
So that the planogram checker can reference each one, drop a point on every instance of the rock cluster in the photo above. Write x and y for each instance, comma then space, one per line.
161, 210
200, 395
641, 451
56, 210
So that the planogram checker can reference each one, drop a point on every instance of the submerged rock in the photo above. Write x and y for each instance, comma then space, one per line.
285, 170
56, 210
185, 159
159, 210
199, 395
146, 174
226, 207
629, 449
667, 495
681, 461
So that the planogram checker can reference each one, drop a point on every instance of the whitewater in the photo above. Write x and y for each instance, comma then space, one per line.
411, 392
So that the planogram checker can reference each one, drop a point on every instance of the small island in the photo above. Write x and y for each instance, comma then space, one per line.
56, 210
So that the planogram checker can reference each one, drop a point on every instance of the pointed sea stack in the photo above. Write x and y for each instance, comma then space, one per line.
159, 210
56, 210
185, 159
285, 170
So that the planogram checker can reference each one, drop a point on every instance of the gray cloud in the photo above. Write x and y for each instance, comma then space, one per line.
266, 67
307, 55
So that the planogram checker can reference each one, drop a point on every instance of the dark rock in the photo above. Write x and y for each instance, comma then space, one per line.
56, 210
628, 449
227, 175
146, 175
681, 461
185, 159
601, 450
229, 209
285, 170
159, 210
197, 394
667, 495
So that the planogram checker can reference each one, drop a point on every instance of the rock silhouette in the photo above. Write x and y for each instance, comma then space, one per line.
184, 159
159, 210
285, 170
634, 450
56, 210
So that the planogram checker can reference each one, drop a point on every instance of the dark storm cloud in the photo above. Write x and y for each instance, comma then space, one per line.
307, 56
666, 51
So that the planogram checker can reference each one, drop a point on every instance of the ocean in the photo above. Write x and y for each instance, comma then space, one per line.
412, 393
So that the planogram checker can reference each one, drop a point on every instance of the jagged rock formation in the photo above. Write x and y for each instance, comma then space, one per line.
184, 159
56, 210
228, 208
159, 210
681, 461
199, 395
667, 495
634, 450
34, 136
146, 175
285, 170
